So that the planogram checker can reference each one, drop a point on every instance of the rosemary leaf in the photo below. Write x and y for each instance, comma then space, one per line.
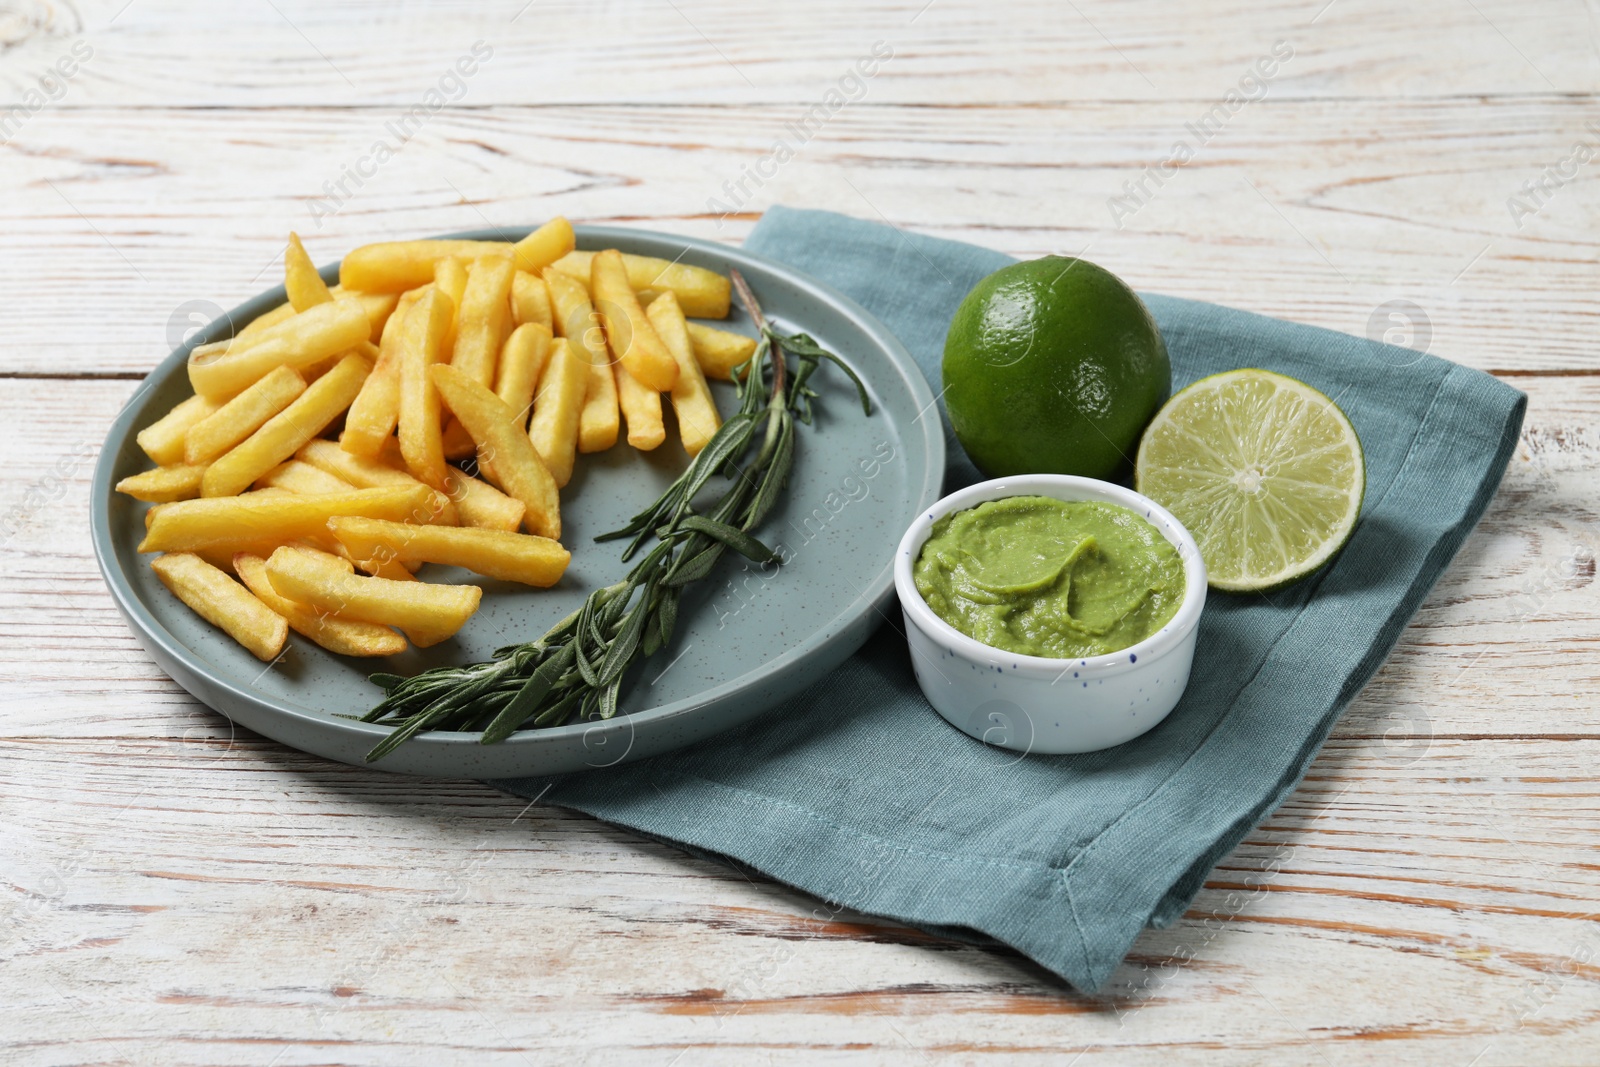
578, 666
734, 538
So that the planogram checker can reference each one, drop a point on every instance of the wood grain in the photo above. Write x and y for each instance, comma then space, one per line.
964, 52
176, 891
126, 206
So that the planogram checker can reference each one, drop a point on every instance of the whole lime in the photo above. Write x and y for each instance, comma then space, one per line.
1053, 366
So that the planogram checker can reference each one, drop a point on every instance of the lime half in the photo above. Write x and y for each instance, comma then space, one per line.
1265, 471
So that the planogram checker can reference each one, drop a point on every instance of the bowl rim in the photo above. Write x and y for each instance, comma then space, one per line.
1165, 640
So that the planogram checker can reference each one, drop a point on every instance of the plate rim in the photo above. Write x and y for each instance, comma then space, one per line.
875, 597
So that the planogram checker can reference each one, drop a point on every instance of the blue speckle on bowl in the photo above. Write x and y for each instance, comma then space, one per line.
1132, 658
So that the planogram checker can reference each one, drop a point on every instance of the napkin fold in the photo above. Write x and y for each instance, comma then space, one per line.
859, 793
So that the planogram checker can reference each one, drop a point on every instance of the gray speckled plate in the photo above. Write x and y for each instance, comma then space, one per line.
746, 640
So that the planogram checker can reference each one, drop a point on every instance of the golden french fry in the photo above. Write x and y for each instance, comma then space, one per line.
554, 429
628, 331
455, 442
576, 320
513, 557
484, 319
421, 346
390, 453
437, 611
703, 294
304, 285
530, 300
522, 360
395, 266
297, 476
240, 523
698, 420
505, 453
222, 559
283, 434
376, 410
366, 349
265, 321
223, 602
163, 439
719, 351
307, 338
481, 505
378, 306
364, 473
545, 245
343, 636
164, 484
450, 278
242, 416
641, 407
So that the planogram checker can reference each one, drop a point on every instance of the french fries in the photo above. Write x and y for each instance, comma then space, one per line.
298, 342
703, 294
698, 420
628, 331
513, 557
484, 319
575, 320
719, 352
554, 428
301, 281
641, 407
297, 476
395, 266
376, 410
481, 505
378, 307
284, 433
163, 440
223, 602
522, 360
164, 484
365, 473
242, 416
346, 637
545, 245
505, 453
421, 345
241, 523
265, 321
450, 278
431, 612
530, 300
523, 354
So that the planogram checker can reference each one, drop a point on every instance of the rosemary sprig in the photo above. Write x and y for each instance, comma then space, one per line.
577, 668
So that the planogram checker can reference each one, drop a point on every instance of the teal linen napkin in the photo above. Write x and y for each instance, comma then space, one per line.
858, 792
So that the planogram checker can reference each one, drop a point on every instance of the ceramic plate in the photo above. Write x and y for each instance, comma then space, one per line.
745, 641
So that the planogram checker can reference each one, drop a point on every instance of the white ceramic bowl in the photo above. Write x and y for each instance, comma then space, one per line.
1034, 703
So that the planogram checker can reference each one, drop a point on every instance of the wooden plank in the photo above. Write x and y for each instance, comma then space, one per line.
962, 52
121, 214
213, 899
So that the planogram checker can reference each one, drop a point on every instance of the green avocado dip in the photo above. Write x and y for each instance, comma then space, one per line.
1045, 577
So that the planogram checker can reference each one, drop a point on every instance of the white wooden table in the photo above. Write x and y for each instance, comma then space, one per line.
179, 892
